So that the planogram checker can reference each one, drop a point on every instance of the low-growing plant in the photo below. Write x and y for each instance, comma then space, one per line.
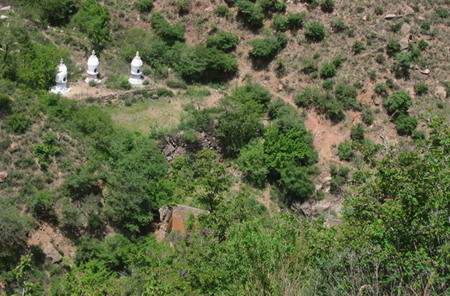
144, 6
224, 41
222, 10
345, 151
266, 49
251, 14
339, 176
308, 97
166, 31
57, 12
423, 45
357, 132
327, 5
327, 70
367, 116
18, 123
398, 103
358, 47
405, 124
5, 104
315, 31
338, 25
421, 88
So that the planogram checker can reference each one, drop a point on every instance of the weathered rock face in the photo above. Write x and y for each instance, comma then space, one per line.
3, 176
175, 219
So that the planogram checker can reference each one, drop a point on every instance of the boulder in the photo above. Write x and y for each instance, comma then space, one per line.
52, 253
3, 176
392, 16
441, 92
13, 147
175, 219
425, 71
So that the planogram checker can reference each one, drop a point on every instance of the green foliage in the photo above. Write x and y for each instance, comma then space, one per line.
398, 102
18, 123
137, 186
339, 176
253, 96
144, 6
222, 10
345, 151
46, 150
236, 127
422, 45
393, 47
296, 183
381, 89
315, 31
166, 31
327, 70
41, 205
183, 6
224, 41
93, 19
421, 88
346, 95
81, 184
280, 23
252, 164
271, 6
37, 68
338, 25
57, 12
442, 12
405, 124
367, 116
308, 97
205, 64
5, 104
266, 49
402, 65
327, 5
250, 13
357, 132
358, 47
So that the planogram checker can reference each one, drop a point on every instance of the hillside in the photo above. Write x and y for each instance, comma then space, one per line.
275, 147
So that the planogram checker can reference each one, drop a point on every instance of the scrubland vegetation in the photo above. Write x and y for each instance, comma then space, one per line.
212, 130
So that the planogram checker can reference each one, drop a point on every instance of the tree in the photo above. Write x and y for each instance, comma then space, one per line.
57, 12
398, 103
252, 163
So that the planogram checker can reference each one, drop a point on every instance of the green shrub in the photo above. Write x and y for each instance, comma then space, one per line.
328, 84
47, 149
81, 184
266, 49
402, 65
164, 92
347, 94
405, 124
367, 116
41, 205
398, 103
183, 6
57, 12
421, 88
393, 47
442, 12
295, 20
327, 5
358, 47
423, 45
222, 11
205, 64
118, 82
271, 6
224, 41
327, 70
166, 31
296, 183
176, 84
18, 123
381, 89
236, 128
252, 163
280, 22
144, 6
357, 132
339, 176
315, 31
93, 19
253, 96
5, 104
308, 97
345, 151
251, 14
338, 25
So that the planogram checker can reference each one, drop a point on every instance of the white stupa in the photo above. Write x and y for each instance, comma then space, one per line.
93, 67
136, 77
61, 80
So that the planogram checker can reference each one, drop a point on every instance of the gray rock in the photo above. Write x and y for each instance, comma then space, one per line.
392, 16
3, 176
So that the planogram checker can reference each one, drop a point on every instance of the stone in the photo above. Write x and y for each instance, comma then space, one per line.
3, 176
392, 16
175, 219
404, 42
52, 253
13, 147
3, 17
425, 71
6, 8
408, 10
441, 92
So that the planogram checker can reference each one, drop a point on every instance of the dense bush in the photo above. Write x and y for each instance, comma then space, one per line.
339, 176
357, 132
270, 6
236, 128
308, 97
367, 116
18, 123
222, 11
250, 13
224, 41
42, 204
315, 31
358, 47
346, 94
253, 96
252, 163
144, 6
393, 47
405, 124
327, 70
205, 64
338, 25
381, 89
93, 19
296, 182
266, 49
166, 31
398, 103
5, 104
345, 151
57, 12
402, 65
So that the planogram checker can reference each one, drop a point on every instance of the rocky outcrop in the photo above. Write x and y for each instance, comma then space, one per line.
3, 176
174, 219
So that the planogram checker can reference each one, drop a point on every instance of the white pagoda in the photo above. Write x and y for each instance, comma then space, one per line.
136, 77
93, 65
61, 80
